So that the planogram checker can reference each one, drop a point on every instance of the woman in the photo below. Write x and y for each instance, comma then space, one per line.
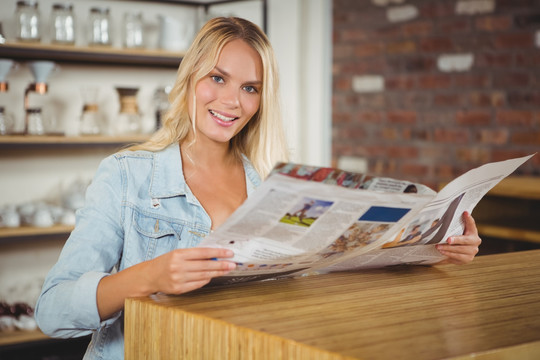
148, 208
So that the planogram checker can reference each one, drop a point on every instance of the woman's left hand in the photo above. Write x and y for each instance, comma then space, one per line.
461, 249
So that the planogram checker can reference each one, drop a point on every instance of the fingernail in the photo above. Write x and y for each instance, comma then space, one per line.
231, 266
449, 240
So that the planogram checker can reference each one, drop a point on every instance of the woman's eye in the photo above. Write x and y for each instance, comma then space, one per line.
250, 89
216, 78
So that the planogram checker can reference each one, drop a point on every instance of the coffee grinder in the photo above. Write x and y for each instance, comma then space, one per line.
40, 71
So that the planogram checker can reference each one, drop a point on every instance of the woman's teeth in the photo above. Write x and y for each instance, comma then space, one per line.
221, 117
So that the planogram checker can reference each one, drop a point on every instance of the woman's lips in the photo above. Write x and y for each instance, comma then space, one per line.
222, 119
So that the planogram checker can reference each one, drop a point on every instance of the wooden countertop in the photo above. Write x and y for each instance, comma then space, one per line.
485, 310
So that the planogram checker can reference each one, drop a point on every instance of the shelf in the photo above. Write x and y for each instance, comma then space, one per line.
523, 187
509, 233
16, 337
34, 231
24, 140
90, 55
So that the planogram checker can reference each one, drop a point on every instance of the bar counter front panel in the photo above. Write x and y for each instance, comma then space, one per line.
489, 309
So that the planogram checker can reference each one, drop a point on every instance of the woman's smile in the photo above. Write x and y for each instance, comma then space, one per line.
221, 118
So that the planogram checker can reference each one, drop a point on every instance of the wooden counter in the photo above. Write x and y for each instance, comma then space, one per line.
489, 309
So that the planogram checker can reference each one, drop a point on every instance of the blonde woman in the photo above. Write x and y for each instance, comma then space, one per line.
148, 207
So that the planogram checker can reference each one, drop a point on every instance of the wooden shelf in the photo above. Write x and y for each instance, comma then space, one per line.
33, 231
70, 140
90, 55
17, 337
523, 187
509, 233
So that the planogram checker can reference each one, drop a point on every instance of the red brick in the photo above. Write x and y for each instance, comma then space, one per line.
494, 23
515, 118
400, 82
487, 99
444, 172
448, 100
500, 154
341, 118
451, 136
494, 137
402, 117
512, 79
454, 25
400, 152
493, 60
401, 47
363, 66
370, 101
409, 64
414, 170
437, 9
524, 98
469, 80
343, 51
528, 60
369, 117
434, 81
350, 35
342, 83
473, 155
417, 28
526, 138
368, 49
473, 118
437, 44
515, 40
393, 133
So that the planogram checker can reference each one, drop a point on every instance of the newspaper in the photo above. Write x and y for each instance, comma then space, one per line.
306, 220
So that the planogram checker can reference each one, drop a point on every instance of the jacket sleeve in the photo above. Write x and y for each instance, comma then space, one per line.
67, 305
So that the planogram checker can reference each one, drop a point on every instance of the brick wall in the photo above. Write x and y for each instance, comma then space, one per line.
428, 89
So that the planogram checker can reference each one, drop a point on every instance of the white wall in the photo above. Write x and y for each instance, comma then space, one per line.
300, 31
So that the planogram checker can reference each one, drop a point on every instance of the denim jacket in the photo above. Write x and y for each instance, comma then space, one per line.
138, 207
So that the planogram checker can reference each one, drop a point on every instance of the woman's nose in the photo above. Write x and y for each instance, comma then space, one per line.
230, 97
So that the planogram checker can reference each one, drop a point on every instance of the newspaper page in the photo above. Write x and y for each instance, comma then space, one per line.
309, 220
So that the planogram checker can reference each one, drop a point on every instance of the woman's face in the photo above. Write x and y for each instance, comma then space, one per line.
229, 96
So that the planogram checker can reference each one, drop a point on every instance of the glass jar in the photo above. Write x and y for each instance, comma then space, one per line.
161, 102
63, 24
133, 30
28, 21
6, 122
34, 122
100, 30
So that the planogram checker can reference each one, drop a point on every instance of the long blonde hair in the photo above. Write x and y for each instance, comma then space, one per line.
262, 140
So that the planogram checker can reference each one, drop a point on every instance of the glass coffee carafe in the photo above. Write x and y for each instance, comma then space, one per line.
91, 118
129, 119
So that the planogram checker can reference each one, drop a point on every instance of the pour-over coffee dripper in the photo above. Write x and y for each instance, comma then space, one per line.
129, 119
40, 71
5, 67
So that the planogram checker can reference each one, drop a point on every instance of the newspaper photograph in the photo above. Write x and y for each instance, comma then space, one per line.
308, 220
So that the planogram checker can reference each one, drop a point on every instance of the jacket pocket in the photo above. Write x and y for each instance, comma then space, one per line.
158, 236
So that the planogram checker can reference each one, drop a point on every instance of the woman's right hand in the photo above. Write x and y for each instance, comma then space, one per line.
183, 270
175, 272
